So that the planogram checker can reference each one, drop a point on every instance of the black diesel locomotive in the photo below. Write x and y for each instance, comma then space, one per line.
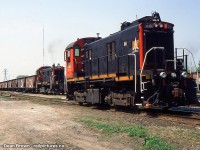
50, 79
135, 66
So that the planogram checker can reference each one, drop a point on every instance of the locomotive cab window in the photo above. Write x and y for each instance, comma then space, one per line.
111, 48
125, 43
41, 72
88, 54
77, 52
68, 53
65, 56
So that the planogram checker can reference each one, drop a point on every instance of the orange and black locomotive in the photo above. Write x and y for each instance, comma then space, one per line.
134, 66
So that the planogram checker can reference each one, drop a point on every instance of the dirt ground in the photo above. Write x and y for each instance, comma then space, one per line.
44, 122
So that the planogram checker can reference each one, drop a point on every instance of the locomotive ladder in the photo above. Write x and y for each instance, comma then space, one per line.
185, 49
142, 84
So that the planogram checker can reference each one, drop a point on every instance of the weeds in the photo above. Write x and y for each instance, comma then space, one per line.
189, 135
154, 143
194, 135
7, 98
133, 131
107, 128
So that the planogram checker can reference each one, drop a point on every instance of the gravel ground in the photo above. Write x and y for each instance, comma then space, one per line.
23, 122
32, 119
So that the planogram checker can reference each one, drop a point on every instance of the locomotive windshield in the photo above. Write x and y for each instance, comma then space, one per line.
156, 57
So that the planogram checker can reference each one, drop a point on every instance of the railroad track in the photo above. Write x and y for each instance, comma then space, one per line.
192, 113
185, 113
186, 109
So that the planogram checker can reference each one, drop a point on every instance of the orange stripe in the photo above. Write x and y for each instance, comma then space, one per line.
141, 40
124, 78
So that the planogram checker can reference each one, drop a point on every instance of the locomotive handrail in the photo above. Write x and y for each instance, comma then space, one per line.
197, 78
105, 56
123, 55
135, 71
141, 83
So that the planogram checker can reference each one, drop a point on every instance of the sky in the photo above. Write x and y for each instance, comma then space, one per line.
22, 22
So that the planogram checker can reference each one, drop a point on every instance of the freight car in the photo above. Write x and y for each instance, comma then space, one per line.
47, 80
136, 66
20, 84
30, 84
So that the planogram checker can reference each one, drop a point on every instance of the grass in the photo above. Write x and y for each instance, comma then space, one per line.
155, 143
189, 135
7, 98
107, 128
136, 131
133, 131
194, 135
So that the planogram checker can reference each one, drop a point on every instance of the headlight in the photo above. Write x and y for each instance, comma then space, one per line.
155, 25
163, 75
173, 75
184, 74
161, 25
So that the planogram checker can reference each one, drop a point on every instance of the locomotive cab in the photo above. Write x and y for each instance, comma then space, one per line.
170, 84
73, 57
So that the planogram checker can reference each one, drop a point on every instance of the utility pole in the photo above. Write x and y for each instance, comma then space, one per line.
5, 72
43, 45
